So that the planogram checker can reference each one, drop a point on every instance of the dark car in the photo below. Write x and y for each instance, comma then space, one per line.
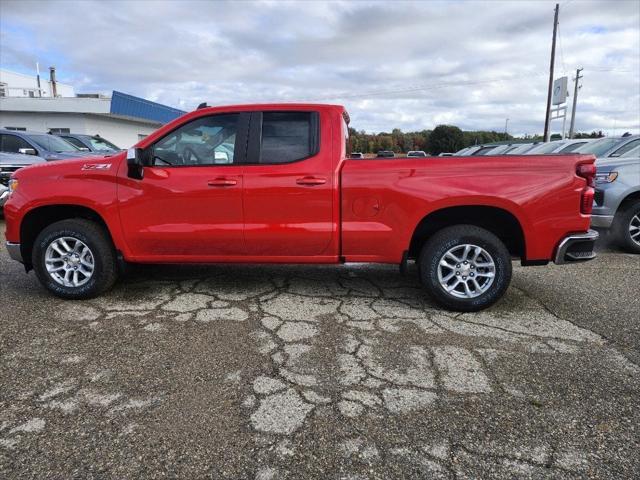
91, 143
45, 145
385, 154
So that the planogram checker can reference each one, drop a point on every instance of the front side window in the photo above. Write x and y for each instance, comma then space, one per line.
288, 136
12, 143
204, 141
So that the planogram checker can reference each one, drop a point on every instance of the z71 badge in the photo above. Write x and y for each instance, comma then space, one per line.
96, 166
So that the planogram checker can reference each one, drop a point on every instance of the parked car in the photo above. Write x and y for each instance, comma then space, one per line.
610, 147
91, 143
293, 196
617, 198
521, 148
10, 163
385, 154
357, 155
416, 153
559, 146
45, 145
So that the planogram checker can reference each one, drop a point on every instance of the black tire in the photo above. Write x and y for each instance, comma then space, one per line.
105, 270
622, 231
457, 236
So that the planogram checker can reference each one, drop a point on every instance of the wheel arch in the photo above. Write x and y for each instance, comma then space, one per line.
629, 198
41, 217
502, 223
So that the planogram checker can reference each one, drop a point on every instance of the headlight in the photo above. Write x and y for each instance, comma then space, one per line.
13, 185
608, 177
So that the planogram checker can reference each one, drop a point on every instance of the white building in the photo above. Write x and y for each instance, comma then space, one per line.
13, 84
120, 118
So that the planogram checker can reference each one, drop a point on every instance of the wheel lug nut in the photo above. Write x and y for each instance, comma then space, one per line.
457, 273
464, 278
458, 265
466, 263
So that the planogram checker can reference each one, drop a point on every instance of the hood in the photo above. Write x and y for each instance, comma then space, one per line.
19, 159
65, 155
94, 164
606, 164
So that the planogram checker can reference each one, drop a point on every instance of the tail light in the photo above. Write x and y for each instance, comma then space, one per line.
588, 172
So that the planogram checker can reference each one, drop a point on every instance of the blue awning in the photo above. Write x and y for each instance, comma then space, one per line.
136, 107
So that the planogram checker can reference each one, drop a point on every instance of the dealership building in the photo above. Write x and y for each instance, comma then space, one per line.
28, 103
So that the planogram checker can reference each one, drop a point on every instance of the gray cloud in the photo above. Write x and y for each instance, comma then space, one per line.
410, 65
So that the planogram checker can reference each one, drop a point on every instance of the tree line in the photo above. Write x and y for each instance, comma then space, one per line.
443, 138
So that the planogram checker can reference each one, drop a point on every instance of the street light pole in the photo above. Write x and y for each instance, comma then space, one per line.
575, 101
551, 64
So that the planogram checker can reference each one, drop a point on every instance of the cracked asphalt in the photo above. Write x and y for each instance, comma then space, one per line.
276, 372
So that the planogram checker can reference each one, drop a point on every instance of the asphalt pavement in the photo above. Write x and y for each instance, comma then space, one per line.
295, 372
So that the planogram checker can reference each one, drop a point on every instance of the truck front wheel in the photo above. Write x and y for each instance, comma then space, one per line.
75, 259
465, 268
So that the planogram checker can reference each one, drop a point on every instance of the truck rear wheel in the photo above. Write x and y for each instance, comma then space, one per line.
627, 228
75, 259
465, 268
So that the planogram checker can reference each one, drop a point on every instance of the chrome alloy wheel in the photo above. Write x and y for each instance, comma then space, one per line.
466, 271
69, 261
634, 229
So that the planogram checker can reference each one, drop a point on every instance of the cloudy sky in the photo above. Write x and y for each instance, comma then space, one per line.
408, 65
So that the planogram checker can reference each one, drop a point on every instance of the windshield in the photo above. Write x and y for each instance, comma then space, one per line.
53, 143
599, 147
572, 147
547, 148
75, 142
99, 143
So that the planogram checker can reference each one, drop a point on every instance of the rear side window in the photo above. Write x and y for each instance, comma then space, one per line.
288, 136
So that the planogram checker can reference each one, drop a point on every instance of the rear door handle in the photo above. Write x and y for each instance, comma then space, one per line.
311, 181
222, 182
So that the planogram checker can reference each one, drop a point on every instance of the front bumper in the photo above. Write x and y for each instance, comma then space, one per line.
577, 247
14, 251
4, 195
601, 221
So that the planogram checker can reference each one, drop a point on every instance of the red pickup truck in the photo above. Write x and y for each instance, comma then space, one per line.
273, 184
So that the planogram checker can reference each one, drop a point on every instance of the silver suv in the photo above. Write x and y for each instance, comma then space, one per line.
9, 163
617, 199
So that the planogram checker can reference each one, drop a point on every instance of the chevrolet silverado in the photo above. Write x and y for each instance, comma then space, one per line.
275, 184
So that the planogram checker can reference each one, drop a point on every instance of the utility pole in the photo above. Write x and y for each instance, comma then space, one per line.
547, 119
575, 100
506, 125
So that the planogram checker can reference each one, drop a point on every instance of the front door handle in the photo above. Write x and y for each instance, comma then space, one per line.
222, 182
311, 181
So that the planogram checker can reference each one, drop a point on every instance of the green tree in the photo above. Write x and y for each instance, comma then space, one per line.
445, 138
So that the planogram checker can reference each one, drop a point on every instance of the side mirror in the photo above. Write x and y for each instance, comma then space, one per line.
135, 163
27, 151
84, 149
